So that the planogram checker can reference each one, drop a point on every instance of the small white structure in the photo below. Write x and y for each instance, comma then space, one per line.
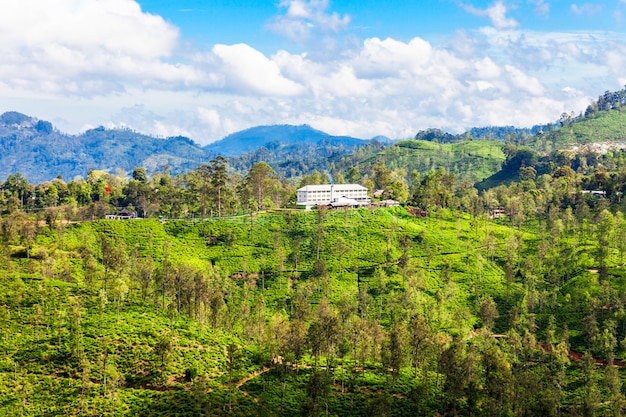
343, 202
124, 214
322, 195
594, 193
389, 203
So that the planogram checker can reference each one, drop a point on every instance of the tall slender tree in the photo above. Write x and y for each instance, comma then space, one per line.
219, 177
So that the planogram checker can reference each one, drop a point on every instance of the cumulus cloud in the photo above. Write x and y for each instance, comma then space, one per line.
246, 69
113, 56
496, 13
615, 59
304, 18
396, 88
86, 47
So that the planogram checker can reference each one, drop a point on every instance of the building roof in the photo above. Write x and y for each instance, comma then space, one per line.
344, 202
326, 187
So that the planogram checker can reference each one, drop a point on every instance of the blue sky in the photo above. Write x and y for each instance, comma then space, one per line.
205, 69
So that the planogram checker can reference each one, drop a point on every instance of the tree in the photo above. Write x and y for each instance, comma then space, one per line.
260, 179
488, 312
219, 176
453, 367
498, 383
435, 191
322, 333
296, 339
380, 279
120, 291
354, 175
27, 229
382, 176
589, 403
114, 258
18, 187
137, 193
140, 175
232, 359
419, 340
527, 173
317, 390
341, 249
614, 384
163, 348
394, 354
199, 181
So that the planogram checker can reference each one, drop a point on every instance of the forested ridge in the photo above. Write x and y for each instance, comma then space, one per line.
224, 299
40, 152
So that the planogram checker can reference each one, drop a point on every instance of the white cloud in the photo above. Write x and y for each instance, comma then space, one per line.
616, 60
211, 117
542, 7
304, 18
586, 9
86, 47
524, 82
80, 63
383, 58
246, 69
618, 13
93, 26
487, 68
463, 44
496, 13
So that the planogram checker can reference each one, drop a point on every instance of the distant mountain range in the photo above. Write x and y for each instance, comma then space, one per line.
38, 151
273, 137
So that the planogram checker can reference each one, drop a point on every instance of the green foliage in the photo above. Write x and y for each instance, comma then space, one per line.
602, 126
289, 312
470, 160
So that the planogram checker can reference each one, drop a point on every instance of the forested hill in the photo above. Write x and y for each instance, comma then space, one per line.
468, 160
293, 151
275, 137
40, 152
502, 133
351, 313
37, 150
601, 127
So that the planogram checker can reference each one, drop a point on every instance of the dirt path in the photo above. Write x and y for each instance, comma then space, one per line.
251, 376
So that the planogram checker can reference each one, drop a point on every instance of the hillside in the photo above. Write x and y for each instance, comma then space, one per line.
293, 313
275, 137
470, 160
601, 127
38, 151
579, 134
292, 151
502, 133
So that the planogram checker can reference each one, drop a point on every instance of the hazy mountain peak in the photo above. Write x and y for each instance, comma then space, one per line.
15, 118
256, 137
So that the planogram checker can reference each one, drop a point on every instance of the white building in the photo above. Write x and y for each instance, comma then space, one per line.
322, 195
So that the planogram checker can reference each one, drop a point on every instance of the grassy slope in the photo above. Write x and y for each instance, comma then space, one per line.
602, 126
469, 160
57, 331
